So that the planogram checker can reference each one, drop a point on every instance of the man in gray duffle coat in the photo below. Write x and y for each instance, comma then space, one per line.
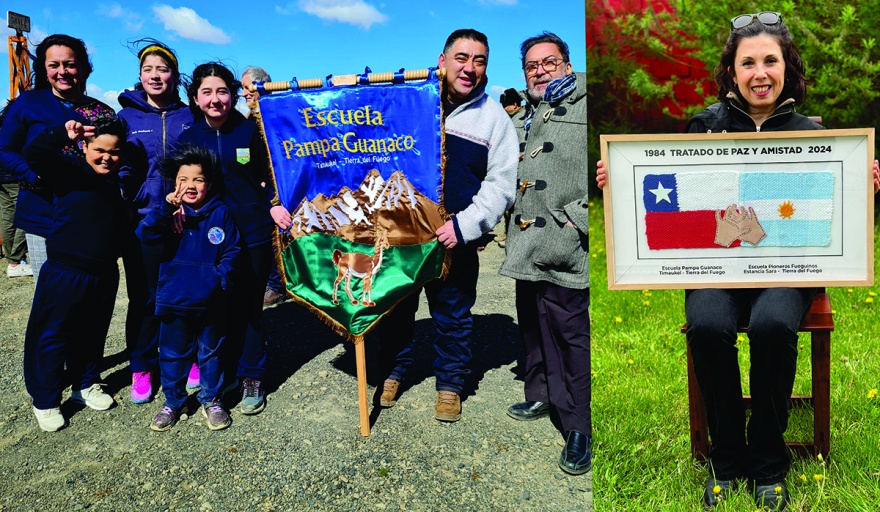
547, 250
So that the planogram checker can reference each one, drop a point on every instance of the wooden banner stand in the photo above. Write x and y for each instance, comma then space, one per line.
314, 83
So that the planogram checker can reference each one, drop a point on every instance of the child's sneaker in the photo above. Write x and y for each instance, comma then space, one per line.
165, 419
50, 420
253, 399
194, 379
94, 397
141, 387
218, 416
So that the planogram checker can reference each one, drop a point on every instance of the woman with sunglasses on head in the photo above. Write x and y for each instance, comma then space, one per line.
156, 117
61, 69
760, 80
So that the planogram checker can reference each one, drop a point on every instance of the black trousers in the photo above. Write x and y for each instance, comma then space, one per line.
554, 323
773, 314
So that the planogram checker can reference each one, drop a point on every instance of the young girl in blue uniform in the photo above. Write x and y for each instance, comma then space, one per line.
155, 116
195, 271
245, 168
74, 299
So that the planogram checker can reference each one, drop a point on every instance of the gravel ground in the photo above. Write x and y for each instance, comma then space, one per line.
305, 451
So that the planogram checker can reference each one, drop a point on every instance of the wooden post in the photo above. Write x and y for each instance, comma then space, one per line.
363, 405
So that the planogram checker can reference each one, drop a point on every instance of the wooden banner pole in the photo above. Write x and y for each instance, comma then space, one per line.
375, 78
363, 405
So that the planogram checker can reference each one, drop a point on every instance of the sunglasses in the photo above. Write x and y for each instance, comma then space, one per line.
744, 20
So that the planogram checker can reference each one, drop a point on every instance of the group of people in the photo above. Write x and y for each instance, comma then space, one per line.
182, 191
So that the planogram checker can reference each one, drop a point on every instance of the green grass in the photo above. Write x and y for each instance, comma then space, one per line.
640, 412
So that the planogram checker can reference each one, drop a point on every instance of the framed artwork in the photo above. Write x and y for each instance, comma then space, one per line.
739, 210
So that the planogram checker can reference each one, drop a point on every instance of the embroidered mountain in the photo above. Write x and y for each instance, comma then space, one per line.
395, 206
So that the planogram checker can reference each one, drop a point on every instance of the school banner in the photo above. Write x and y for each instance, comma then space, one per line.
360, 169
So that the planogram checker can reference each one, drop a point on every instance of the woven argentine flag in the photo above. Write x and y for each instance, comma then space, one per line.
794, 208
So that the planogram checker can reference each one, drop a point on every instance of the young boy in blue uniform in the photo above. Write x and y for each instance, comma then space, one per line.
76, 292
194, 281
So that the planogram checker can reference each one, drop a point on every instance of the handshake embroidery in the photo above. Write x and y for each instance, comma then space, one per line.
737, 224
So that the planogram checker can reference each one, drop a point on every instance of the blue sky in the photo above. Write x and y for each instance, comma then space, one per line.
302, 38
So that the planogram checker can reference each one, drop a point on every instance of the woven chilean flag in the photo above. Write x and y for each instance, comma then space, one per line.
794, 209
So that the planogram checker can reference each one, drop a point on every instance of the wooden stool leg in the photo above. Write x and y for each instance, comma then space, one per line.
697, 408
821, 361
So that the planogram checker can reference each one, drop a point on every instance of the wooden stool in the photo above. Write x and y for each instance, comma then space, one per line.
819, 324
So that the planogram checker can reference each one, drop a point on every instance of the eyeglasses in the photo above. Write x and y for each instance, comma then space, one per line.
549, 64
744, 20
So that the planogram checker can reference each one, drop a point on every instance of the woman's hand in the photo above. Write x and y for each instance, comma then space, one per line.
601, 175
876, 176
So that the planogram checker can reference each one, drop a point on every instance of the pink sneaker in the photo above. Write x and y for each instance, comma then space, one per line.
141, 387
192, 382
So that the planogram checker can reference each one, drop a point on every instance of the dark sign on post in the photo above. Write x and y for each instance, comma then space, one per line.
19, 22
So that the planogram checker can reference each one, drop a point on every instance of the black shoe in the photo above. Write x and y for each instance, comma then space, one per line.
528, 411
577, 456
712, 498
773, 497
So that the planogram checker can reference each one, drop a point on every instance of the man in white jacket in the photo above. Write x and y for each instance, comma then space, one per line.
478, 186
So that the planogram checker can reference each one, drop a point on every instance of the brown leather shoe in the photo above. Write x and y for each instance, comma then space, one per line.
389, 393
448, 406
271, 297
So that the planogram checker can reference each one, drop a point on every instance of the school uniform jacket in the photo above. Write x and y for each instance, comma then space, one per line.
196, 264
152, 133
245, 163
88, 210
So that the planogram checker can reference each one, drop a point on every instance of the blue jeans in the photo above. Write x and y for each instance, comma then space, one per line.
183, 340
68, 324
450, 302
773, 315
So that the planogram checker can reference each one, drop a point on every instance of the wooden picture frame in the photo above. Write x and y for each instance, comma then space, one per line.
803, 207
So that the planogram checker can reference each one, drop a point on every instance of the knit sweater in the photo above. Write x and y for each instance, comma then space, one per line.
551, 192
481, 155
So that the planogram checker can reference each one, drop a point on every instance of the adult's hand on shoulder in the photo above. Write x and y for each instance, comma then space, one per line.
601, 175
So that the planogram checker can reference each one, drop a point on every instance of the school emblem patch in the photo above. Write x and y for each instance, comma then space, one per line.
216, 235
243, 155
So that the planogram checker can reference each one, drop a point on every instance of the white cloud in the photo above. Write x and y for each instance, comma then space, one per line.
186, 23
109, 97
133, 21
284, 10
354, 12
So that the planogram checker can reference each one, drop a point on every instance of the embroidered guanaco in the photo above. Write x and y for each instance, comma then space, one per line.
361, 266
